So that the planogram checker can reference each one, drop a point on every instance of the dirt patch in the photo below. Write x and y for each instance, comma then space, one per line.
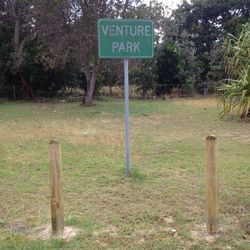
44, 233
168, 219
200, 233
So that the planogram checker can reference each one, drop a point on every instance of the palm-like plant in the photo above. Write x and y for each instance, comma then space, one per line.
235, 98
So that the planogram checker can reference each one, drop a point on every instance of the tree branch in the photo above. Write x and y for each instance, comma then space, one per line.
123, 14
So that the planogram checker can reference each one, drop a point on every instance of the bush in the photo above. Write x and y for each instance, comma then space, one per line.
235, 98
167, 69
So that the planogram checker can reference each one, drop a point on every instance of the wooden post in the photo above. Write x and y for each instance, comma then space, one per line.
55, 162
211, 184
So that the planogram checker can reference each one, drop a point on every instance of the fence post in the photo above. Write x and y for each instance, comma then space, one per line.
57, 208
211, 184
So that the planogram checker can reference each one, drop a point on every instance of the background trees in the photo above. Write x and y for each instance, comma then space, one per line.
207, 23
167, 69
143, 75
15, 27
47, 46
30, 65
70, 28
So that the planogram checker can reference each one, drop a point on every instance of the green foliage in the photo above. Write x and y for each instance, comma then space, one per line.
45, 81
6, 49
56, 45
236, 93
143, 75
216, 63
109, 75
207, 22
168, 60
34, 58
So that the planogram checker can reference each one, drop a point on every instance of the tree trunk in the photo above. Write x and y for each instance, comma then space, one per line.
88, 94
28, 93
91, 76
144, 93
110, 90
17, 34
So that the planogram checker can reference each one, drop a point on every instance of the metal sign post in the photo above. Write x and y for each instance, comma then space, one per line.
121, 38
127, 133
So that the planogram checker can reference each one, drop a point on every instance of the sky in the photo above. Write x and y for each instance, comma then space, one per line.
170, 3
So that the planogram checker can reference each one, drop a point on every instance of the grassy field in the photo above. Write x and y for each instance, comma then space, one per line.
161, 206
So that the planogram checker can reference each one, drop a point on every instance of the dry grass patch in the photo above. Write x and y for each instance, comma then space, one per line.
199, 103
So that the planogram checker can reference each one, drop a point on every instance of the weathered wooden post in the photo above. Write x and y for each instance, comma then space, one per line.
211, 184
57, 209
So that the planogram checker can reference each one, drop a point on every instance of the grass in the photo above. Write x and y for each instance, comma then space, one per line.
165, 191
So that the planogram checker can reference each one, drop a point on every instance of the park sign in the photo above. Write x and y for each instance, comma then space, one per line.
125, 38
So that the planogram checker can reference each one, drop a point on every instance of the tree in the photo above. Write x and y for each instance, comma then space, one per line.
85, 40
47, 81
207, 23
70, 26
88, 23
27, 59
110, 74
143, 75
167, 68
14, 14
53, 38
216, 64
6, 49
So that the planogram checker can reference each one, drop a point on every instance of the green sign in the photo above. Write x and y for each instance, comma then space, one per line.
120, 38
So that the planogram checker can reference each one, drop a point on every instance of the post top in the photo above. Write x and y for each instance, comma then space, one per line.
211, 137
54, 141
